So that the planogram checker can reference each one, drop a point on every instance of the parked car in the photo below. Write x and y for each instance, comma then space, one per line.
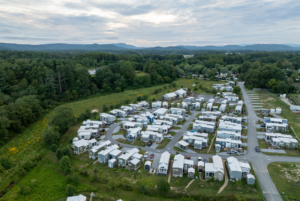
231, 151
146, 154
188, 157
257, 149
243, 126
263, 125
199, 158
186, 115
149, 144
168, 136
151, 156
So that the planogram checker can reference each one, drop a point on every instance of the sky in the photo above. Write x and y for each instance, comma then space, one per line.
150, 23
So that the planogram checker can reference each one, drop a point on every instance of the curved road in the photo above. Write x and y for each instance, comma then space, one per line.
259, 161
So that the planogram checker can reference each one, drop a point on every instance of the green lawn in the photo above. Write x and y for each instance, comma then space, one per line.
139, 143
172, 133
164, 143
182, 123
262, 144
260, 129
176, 128
178, 149
120, 132
286, 178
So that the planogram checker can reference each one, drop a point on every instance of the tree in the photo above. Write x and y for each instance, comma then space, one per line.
163, 187
75, 179
211, 78
65, 164
66, 152
54, 147
167, 79
59, 154
24, 190
283, 87
237, 90
50, 136
63, 118
70, 190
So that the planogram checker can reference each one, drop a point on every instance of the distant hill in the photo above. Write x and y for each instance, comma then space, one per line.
123, 46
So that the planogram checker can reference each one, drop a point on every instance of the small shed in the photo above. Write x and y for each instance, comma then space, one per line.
178, 104
165, 104
135, 164
112, 163
278, 110
218, 147
201, 166
272, 111
191, 173
250, 179
148, 165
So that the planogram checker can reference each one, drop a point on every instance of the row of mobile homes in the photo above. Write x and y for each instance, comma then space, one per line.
228, 94
229, 143
136, 107
107, 117
82, 145
228, 126
271, 127
160, 129
203, 128
284, 142
209, 113
270, 136
232, 98
177, 169
151, 136
128, 124
179, 118
237, 120
133, 133
208, 118
229, 135
161, 122
93, 152
196, 141
163, 164
128, 110
93, 124
178, 111
211, 123
118, 113
215, 169
103, 156
160, 112
170, 96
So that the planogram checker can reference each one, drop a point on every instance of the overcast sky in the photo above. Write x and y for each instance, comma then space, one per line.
150, 23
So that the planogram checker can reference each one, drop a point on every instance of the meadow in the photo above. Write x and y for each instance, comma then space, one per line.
286, 178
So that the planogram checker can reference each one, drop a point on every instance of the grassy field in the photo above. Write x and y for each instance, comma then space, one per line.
28, 145
286, 178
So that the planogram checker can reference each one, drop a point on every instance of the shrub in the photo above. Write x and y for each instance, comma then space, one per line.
70, 190
50, 136
163, 187
66, 152
65, 164
139, 98
6, 163
59, 154
54, 147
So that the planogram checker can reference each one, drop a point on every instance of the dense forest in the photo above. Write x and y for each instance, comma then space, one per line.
33, 82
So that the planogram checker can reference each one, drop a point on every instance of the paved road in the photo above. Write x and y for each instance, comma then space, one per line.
259, 161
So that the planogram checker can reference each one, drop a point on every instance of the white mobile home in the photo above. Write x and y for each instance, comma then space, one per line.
124, 158
127, 110
234, 168
133, 133
269, 136
160, 112
170, 96
160, 129
177, 170
153, 136
228, 126
127, 125
240, 103
206, 118
238, 109
93, 124
165, 105
209, 113
222, 108
178, 111
136, 106
237, 120
228, 134
107, 117
93, 153
118, 113
144, 104
229, 143
81, 146
187, 163
203, 128
163, 165
215, 169
156, 104
103, 156
181, 93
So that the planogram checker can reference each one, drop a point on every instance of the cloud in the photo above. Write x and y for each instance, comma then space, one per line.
151, 22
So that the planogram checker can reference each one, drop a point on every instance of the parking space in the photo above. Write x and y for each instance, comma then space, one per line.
116, 129
155, 160
153, 146
117, 137
280, 151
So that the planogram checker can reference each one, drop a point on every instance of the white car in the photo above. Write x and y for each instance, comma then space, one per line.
146, 154
168, 136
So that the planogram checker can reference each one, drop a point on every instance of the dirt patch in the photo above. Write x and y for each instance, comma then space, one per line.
239, 188
211, 183
202, 186
254, 190
122, 174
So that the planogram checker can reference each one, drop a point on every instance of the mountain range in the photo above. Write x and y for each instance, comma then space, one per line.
123, 46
